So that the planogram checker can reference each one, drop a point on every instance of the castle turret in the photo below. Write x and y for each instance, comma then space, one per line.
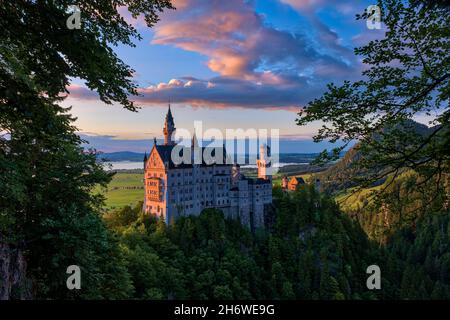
169, 128
285, 183
196, 151
264, 163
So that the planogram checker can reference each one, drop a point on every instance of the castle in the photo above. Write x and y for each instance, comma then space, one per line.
175, 189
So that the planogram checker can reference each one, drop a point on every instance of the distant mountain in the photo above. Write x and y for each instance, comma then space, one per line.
122, 156
341, 175
136, 157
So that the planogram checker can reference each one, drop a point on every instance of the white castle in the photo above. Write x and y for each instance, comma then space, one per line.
174, 190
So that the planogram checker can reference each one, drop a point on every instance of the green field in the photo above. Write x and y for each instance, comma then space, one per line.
124, 189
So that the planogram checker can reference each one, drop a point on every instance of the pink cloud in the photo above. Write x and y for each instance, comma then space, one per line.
80, 92
237, 42
257, 66
221, 92
240, 47
303, 4
138, 22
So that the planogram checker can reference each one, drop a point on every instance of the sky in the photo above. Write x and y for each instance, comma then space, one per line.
230, 64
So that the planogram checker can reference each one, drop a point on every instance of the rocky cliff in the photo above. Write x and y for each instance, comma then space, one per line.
13, 281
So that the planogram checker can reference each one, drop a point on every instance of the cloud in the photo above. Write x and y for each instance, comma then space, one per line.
80, 92
239, 44
222, 92
303, 5
257, 65
364, 38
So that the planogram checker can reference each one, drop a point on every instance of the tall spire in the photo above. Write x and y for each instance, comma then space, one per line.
169, 115
196, 151
194, 143
169, 128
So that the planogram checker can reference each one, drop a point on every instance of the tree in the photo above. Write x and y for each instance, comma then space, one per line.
407, 74
47, 205
38, 49
222, 293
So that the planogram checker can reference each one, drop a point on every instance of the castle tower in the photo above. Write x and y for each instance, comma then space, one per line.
145, 159
194, 143
285, 183
264, 163
169, 128
196, 151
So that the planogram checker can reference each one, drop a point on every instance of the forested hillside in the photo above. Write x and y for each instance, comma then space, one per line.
408, 216
351, 171
418, 259
311, 251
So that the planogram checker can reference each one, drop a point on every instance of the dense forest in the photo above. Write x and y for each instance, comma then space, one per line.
310, 250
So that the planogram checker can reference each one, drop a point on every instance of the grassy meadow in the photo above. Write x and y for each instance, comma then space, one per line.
124, 189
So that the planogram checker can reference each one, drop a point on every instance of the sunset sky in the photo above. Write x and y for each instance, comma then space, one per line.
231, 64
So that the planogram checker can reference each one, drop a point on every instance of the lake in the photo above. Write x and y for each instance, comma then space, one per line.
131, 165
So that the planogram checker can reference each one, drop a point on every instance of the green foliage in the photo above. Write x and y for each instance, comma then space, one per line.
407, 198
312, 252
407, 74
419, 260
48, 209
35, 41
124, 216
